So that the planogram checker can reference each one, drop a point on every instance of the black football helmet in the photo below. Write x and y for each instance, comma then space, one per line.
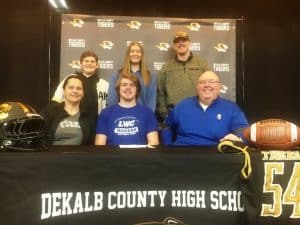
21, 128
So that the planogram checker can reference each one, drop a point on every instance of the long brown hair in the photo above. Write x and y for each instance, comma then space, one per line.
126, 66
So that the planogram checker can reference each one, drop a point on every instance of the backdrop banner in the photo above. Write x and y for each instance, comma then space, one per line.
109, 36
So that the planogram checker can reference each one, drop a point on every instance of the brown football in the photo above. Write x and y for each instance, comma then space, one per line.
273, 134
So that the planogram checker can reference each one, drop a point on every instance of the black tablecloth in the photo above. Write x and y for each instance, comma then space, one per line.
110, 186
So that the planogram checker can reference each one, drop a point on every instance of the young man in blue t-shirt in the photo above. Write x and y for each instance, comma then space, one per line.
127, 122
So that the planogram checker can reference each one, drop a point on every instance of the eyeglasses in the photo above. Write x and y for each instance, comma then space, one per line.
211, 81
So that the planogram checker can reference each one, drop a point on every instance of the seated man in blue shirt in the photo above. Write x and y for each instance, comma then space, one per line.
206, 119
128, 122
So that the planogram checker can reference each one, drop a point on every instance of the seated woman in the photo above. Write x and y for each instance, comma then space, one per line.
128, 122
95, 89
66, 124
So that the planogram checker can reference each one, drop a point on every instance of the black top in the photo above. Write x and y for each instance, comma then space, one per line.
89, 102
55, 113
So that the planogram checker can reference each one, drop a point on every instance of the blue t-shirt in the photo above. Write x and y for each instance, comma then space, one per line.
147, 96
126, 125
195, 126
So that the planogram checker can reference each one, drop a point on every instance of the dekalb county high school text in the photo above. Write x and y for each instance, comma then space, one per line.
69, 203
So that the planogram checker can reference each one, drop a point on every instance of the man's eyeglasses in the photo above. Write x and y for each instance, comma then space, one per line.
210, 81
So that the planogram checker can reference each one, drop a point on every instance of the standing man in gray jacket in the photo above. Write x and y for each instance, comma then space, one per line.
177, 78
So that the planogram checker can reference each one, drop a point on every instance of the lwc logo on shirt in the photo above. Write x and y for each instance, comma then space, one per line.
126, 126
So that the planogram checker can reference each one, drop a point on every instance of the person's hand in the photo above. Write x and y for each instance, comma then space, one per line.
231, 137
